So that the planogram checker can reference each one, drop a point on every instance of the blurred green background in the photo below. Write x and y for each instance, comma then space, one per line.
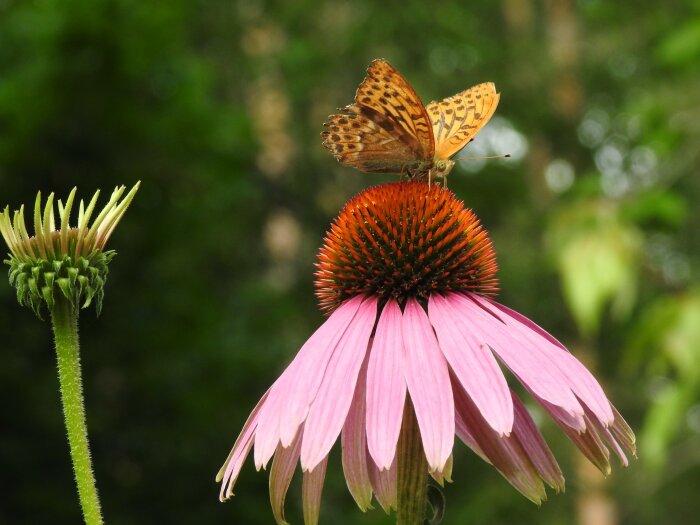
217, 106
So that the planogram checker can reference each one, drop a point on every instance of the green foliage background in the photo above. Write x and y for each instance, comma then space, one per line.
216, 106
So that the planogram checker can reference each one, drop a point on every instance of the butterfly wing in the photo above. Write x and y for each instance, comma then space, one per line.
457, 119
356, 139
387, 129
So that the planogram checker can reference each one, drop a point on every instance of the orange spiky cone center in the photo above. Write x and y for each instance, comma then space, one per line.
402, 240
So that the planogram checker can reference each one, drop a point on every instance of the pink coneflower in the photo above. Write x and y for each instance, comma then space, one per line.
414, 336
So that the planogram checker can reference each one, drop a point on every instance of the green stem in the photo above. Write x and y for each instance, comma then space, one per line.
65, 326
412, 471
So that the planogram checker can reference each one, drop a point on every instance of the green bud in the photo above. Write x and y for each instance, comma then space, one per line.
69, 261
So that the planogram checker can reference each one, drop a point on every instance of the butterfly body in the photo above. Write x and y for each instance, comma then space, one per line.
389, 130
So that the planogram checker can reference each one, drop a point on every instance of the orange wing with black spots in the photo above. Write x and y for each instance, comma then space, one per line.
358, 140
387, 128
457, 119
387, 92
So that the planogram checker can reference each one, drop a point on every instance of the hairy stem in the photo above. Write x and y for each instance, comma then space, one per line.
65, 326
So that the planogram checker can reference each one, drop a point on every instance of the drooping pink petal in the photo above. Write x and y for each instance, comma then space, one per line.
607, 437
332, 402
524, 320
386, 387
464, 434
384, 484
234, 462
623, 433
267, 432
504, 452
535, 447
353, 441
311, 363
289, 398
561, 416
584, 385
311, 489
589, 443
539, 375
612, 442
473, 364
580, 380
428, 383
281, 473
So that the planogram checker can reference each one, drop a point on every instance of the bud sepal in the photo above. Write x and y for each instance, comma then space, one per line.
81, 281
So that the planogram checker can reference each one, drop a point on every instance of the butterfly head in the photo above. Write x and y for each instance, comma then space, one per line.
443, 167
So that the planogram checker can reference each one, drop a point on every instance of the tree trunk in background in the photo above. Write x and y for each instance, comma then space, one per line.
594, 506
564, 51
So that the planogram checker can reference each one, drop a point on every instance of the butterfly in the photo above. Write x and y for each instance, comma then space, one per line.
389, 130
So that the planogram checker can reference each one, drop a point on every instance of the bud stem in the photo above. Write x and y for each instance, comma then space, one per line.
412, 471
64, 319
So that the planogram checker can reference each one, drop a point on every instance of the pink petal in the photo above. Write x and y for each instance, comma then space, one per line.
605, 434
589, 443
384, 484
233, 464
561, 416
473, 364
281, 474
612, 442
465, 435
354, 447
584, 385
580, 380
311, 363
538, 374
428, 383
332, 402
524, 320
535, 446
289, 397
311, 489
267, 433
623, 433
504, 452
386, 387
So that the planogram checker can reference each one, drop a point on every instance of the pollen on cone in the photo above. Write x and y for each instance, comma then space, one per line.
401, 240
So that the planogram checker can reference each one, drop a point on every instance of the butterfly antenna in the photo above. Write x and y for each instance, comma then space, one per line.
506, 156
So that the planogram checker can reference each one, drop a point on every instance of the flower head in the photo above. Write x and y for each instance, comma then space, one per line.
409, 274
69, 260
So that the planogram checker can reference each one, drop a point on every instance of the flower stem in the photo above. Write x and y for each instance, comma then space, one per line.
412, 471
65, 326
